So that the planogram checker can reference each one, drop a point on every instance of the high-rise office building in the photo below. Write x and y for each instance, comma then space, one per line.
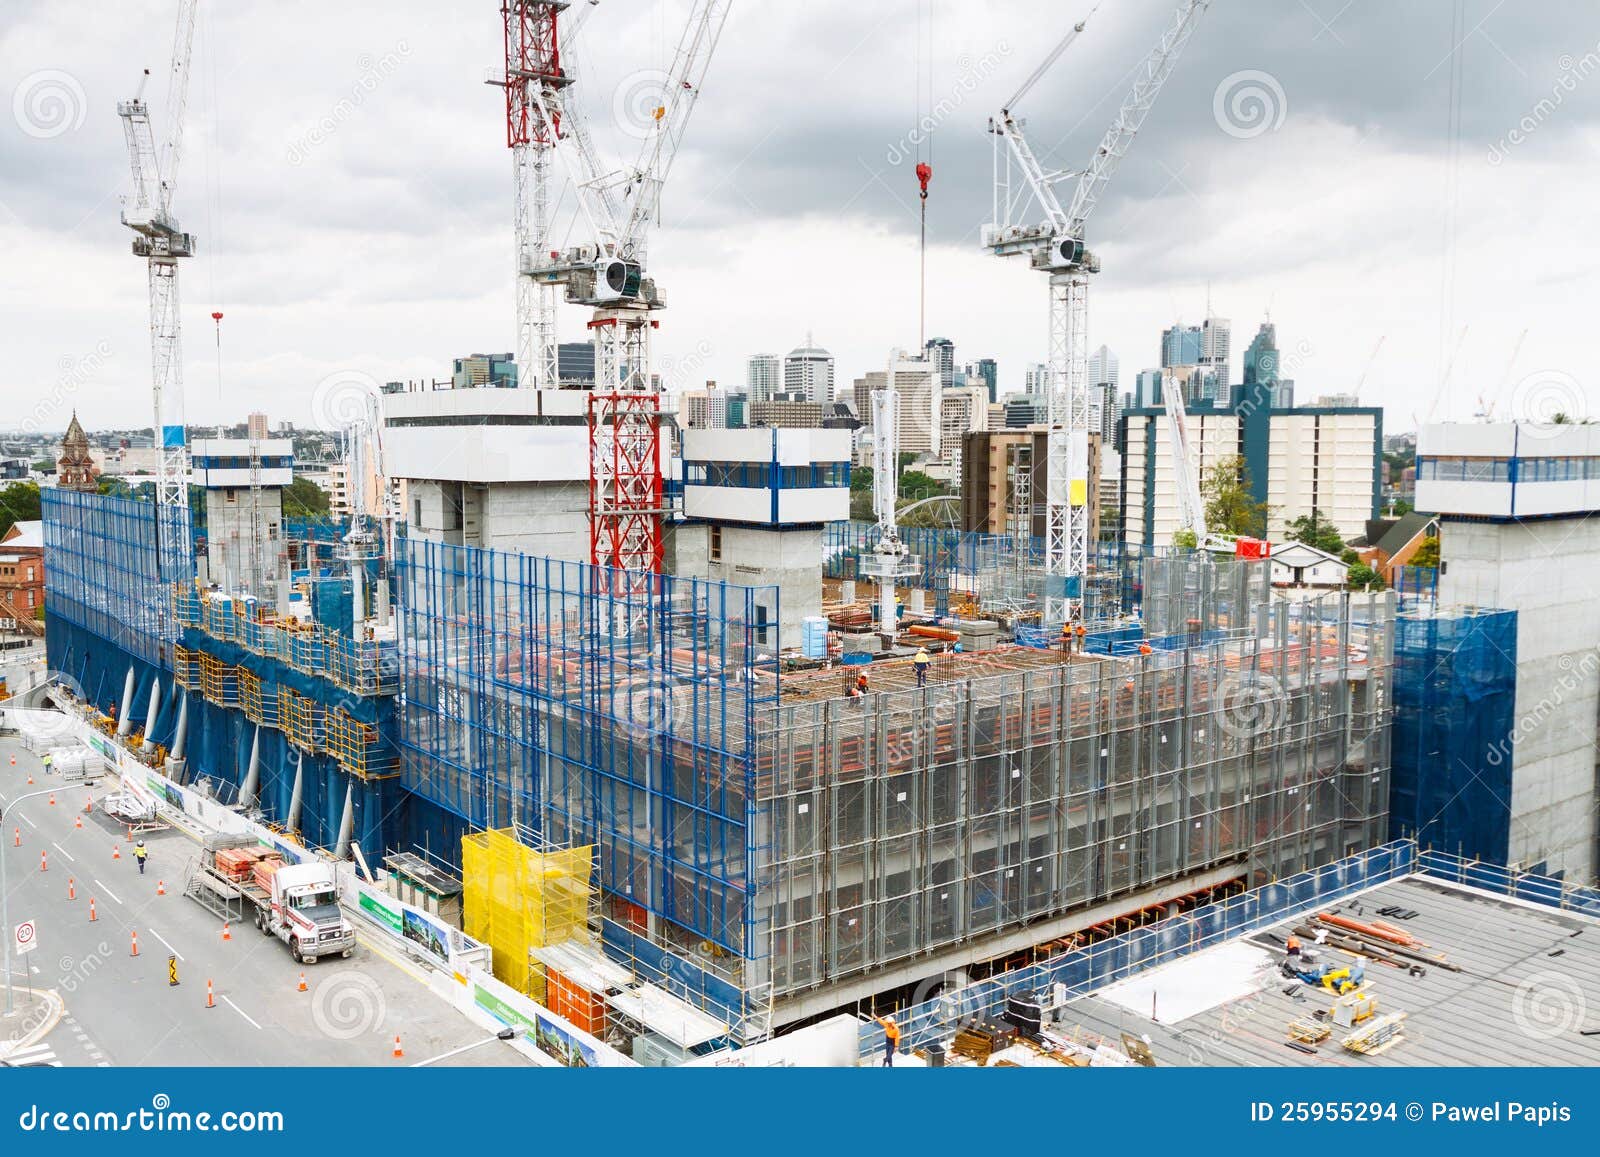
575, 364
763, 376
986, 371
1180, 346
494, 370
1216, 347
1147, 388
809, 370
940, 353
1036, 380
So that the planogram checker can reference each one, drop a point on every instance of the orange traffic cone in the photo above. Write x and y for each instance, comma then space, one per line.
92, 916
77, 822
226, 935
211, 1001
398, 1051
88, 805
43, 866
135, 951
52, 799
116, 851
17, 838
302, 981
161, 887
72, 888
13, 761
30, 777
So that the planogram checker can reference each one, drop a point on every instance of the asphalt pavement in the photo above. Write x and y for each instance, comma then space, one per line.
121, 1009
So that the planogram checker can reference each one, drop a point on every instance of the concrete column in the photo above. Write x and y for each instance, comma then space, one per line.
292, 821
150, 716
124, 719
347, 824
251, 788
181, 735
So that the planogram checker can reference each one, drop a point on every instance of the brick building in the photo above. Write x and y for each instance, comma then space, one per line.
22, 576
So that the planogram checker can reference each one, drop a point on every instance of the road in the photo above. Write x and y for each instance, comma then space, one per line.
121, 1009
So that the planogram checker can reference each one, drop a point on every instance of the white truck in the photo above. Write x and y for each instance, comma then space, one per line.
301, 908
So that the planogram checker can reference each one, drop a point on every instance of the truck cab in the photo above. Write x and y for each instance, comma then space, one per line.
306, 914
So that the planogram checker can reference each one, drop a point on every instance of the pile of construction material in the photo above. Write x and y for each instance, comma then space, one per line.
1377, 940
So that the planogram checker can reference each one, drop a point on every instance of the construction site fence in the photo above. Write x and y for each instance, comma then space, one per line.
1187, 592
361, 666
1419, 583
1511, 883
1086, 970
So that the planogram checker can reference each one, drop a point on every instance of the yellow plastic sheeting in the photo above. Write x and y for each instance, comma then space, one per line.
517, 898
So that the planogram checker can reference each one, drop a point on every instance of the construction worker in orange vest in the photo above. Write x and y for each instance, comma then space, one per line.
861, 682
891, 1040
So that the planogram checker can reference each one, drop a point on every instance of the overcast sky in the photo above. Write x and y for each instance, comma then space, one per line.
347, 176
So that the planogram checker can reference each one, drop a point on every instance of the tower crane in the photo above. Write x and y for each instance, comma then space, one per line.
160, 241
608, 274
1055, 245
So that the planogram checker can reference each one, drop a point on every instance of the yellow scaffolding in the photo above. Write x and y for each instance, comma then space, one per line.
186, 668
518, 898
302, 720
259, 706
355, 745
219, 682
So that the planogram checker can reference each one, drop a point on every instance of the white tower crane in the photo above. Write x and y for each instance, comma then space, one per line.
1055, 245
608, 274
159, 240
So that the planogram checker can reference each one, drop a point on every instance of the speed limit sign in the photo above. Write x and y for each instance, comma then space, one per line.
25, 938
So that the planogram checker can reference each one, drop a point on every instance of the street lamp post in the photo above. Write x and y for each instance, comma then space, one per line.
5, 899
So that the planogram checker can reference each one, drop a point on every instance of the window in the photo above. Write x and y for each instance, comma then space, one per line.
716, 544
31, 595
416, 513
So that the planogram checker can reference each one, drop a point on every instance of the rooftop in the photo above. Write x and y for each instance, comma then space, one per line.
1525, 977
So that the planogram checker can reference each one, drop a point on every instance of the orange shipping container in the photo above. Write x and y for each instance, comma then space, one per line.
583, 1008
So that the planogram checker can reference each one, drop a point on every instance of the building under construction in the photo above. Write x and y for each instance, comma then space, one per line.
768, 843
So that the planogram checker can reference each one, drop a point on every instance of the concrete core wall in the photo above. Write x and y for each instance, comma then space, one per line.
789, 559
1548, 571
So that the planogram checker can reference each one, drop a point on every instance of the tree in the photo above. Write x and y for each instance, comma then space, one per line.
1399, 508
1428, 553
1362, 577
1185, 538
915, 485
1315, 530
1230, 506
19, 502
303, 498
45, 466
113, 486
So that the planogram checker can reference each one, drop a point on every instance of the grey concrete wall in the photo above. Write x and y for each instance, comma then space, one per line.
789, 559
1548, 571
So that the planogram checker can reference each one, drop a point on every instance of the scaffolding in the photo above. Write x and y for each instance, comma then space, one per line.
302, 720
518, 897
219, 681
104, 575
1011, 791
186, 668
1455, 688
360, 748
546, 696
258, 698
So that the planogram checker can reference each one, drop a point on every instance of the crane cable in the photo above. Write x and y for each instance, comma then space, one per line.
924, 170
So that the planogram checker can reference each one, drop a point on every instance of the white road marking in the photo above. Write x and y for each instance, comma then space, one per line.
30, 823
240, 1011
163, 940
33, 1054
64, 851
107, 891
